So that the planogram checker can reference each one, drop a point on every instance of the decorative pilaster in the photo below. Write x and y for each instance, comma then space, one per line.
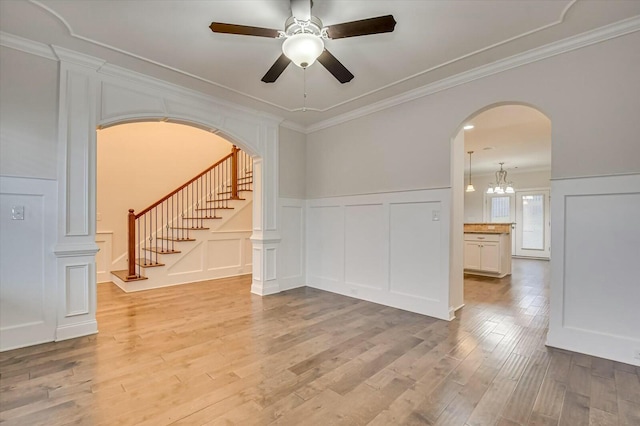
266, 238
76, 248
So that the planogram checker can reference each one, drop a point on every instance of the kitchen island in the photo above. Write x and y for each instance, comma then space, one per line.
487, 249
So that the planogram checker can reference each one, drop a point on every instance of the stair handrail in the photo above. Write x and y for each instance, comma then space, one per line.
181, 187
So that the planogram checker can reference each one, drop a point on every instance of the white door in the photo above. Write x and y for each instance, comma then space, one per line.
501, 208
533, 230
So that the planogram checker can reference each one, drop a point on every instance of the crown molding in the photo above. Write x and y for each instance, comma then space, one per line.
294, 126
589, 38
77, 58
78, 36
28, 46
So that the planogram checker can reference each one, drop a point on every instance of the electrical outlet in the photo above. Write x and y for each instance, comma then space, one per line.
636, 354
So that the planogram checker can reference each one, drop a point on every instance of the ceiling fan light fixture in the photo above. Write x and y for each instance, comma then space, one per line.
303, 48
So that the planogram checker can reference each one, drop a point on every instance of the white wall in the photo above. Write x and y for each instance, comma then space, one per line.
590, 95
474, 201
386, 248
139, 163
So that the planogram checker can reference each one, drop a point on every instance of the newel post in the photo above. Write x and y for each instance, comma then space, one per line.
131, 249
234, 173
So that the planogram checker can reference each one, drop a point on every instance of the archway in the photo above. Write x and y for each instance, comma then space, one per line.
185, 172
516, 134
91, 96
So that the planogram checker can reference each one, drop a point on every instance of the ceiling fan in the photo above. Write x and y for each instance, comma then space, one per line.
304, 38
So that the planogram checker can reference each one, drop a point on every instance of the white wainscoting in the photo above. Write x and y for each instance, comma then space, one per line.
595, 287
214, 255
104, 240
291, 254
385, 248
27, 277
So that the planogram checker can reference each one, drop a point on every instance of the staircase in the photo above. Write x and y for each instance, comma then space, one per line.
177, 239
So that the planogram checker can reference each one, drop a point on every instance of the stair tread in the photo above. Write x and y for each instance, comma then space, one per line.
148, 263
215, 208
175, 239
203, 217
161, 250
226, 199
193, 228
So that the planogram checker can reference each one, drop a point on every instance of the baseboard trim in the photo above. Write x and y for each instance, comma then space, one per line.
452, 312
265, 289
71, 331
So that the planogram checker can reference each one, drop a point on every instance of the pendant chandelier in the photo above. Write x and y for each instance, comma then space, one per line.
470, 187
501, 185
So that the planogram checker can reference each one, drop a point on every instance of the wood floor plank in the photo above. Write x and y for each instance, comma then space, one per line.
628, 413
628, 386
602, 418
604, 394
520, 405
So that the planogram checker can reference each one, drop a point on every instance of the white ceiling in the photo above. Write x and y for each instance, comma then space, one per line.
170, 39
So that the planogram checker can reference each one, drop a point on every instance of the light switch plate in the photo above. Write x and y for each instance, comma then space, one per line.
17, 213
435, 215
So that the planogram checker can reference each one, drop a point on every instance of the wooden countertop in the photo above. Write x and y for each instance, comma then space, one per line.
487, 228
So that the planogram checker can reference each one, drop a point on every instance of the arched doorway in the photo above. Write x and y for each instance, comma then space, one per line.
200, 225
519, 136
91, 97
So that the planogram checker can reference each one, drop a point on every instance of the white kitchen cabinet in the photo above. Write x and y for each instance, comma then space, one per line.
487, 254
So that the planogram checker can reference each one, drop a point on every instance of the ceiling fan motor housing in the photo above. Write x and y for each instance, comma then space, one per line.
294, 26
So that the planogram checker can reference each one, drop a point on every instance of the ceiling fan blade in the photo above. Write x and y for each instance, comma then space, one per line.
221, 27
335, 67
301, 9
276, 69
380, 24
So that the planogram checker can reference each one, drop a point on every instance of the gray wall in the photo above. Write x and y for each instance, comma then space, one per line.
590, 95
292, 163
28, 115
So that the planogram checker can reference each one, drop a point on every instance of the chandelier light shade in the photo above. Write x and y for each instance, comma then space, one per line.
470, 187
303, 48
501, 185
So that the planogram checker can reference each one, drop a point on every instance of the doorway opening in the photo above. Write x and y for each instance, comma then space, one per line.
197, 234
504, 153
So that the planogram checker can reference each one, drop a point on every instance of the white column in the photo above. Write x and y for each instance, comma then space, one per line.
266, 238
76, 248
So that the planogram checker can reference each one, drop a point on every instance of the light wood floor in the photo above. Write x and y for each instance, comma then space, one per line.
212, 353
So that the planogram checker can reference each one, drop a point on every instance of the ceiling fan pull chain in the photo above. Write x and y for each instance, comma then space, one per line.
304, 90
